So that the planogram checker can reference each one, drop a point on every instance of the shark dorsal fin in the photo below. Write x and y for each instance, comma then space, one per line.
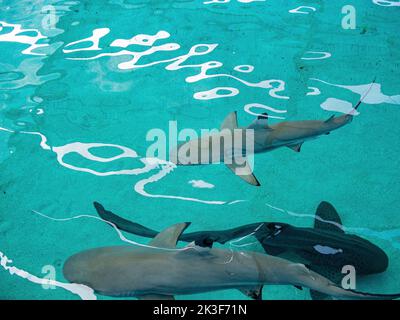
230, 122
328, 213
169, 237
330, 119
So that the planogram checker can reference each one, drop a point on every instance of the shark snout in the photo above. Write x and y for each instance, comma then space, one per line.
74, 269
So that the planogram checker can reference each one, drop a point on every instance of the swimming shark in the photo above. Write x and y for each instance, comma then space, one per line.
161, 271
325, 248
232, 144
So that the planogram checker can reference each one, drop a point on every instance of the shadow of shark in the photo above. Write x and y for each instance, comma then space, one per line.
233, 145
325, 248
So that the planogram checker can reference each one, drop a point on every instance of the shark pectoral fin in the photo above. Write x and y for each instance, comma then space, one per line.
331, 219
155, 297
243, 171
169, 237
296, 147
253, 292
230, 122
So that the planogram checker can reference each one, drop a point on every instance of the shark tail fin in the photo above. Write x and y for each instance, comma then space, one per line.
363, 97
123, 224
375, 296
317, 282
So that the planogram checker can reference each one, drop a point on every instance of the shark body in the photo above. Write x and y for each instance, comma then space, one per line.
258, 137
161, 271
325, 248
232, 144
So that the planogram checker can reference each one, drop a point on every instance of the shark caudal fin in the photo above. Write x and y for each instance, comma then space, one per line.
238, 163
305, 277
375, 296
330, 290
363, 97
123, 224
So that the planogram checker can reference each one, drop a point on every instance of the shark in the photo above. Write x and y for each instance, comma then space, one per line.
161, 270
233, 145
324, 248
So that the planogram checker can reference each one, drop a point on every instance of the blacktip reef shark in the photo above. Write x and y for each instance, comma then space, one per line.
264, 138
325, 248
161, 271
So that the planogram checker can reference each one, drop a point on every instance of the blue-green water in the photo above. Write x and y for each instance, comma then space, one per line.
58, 98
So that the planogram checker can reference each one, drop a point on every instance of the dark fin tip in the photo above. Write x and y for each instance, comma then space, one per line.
325, 203
257, 297
98, 205
187, 224
263, 115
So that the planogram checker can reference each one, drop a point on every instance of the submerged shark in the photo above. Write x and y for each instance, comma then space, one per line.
161, 271
258, 137
325, 248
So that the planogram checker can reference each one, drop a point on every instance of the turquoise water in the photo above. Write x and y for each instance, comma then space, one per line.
58, 98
